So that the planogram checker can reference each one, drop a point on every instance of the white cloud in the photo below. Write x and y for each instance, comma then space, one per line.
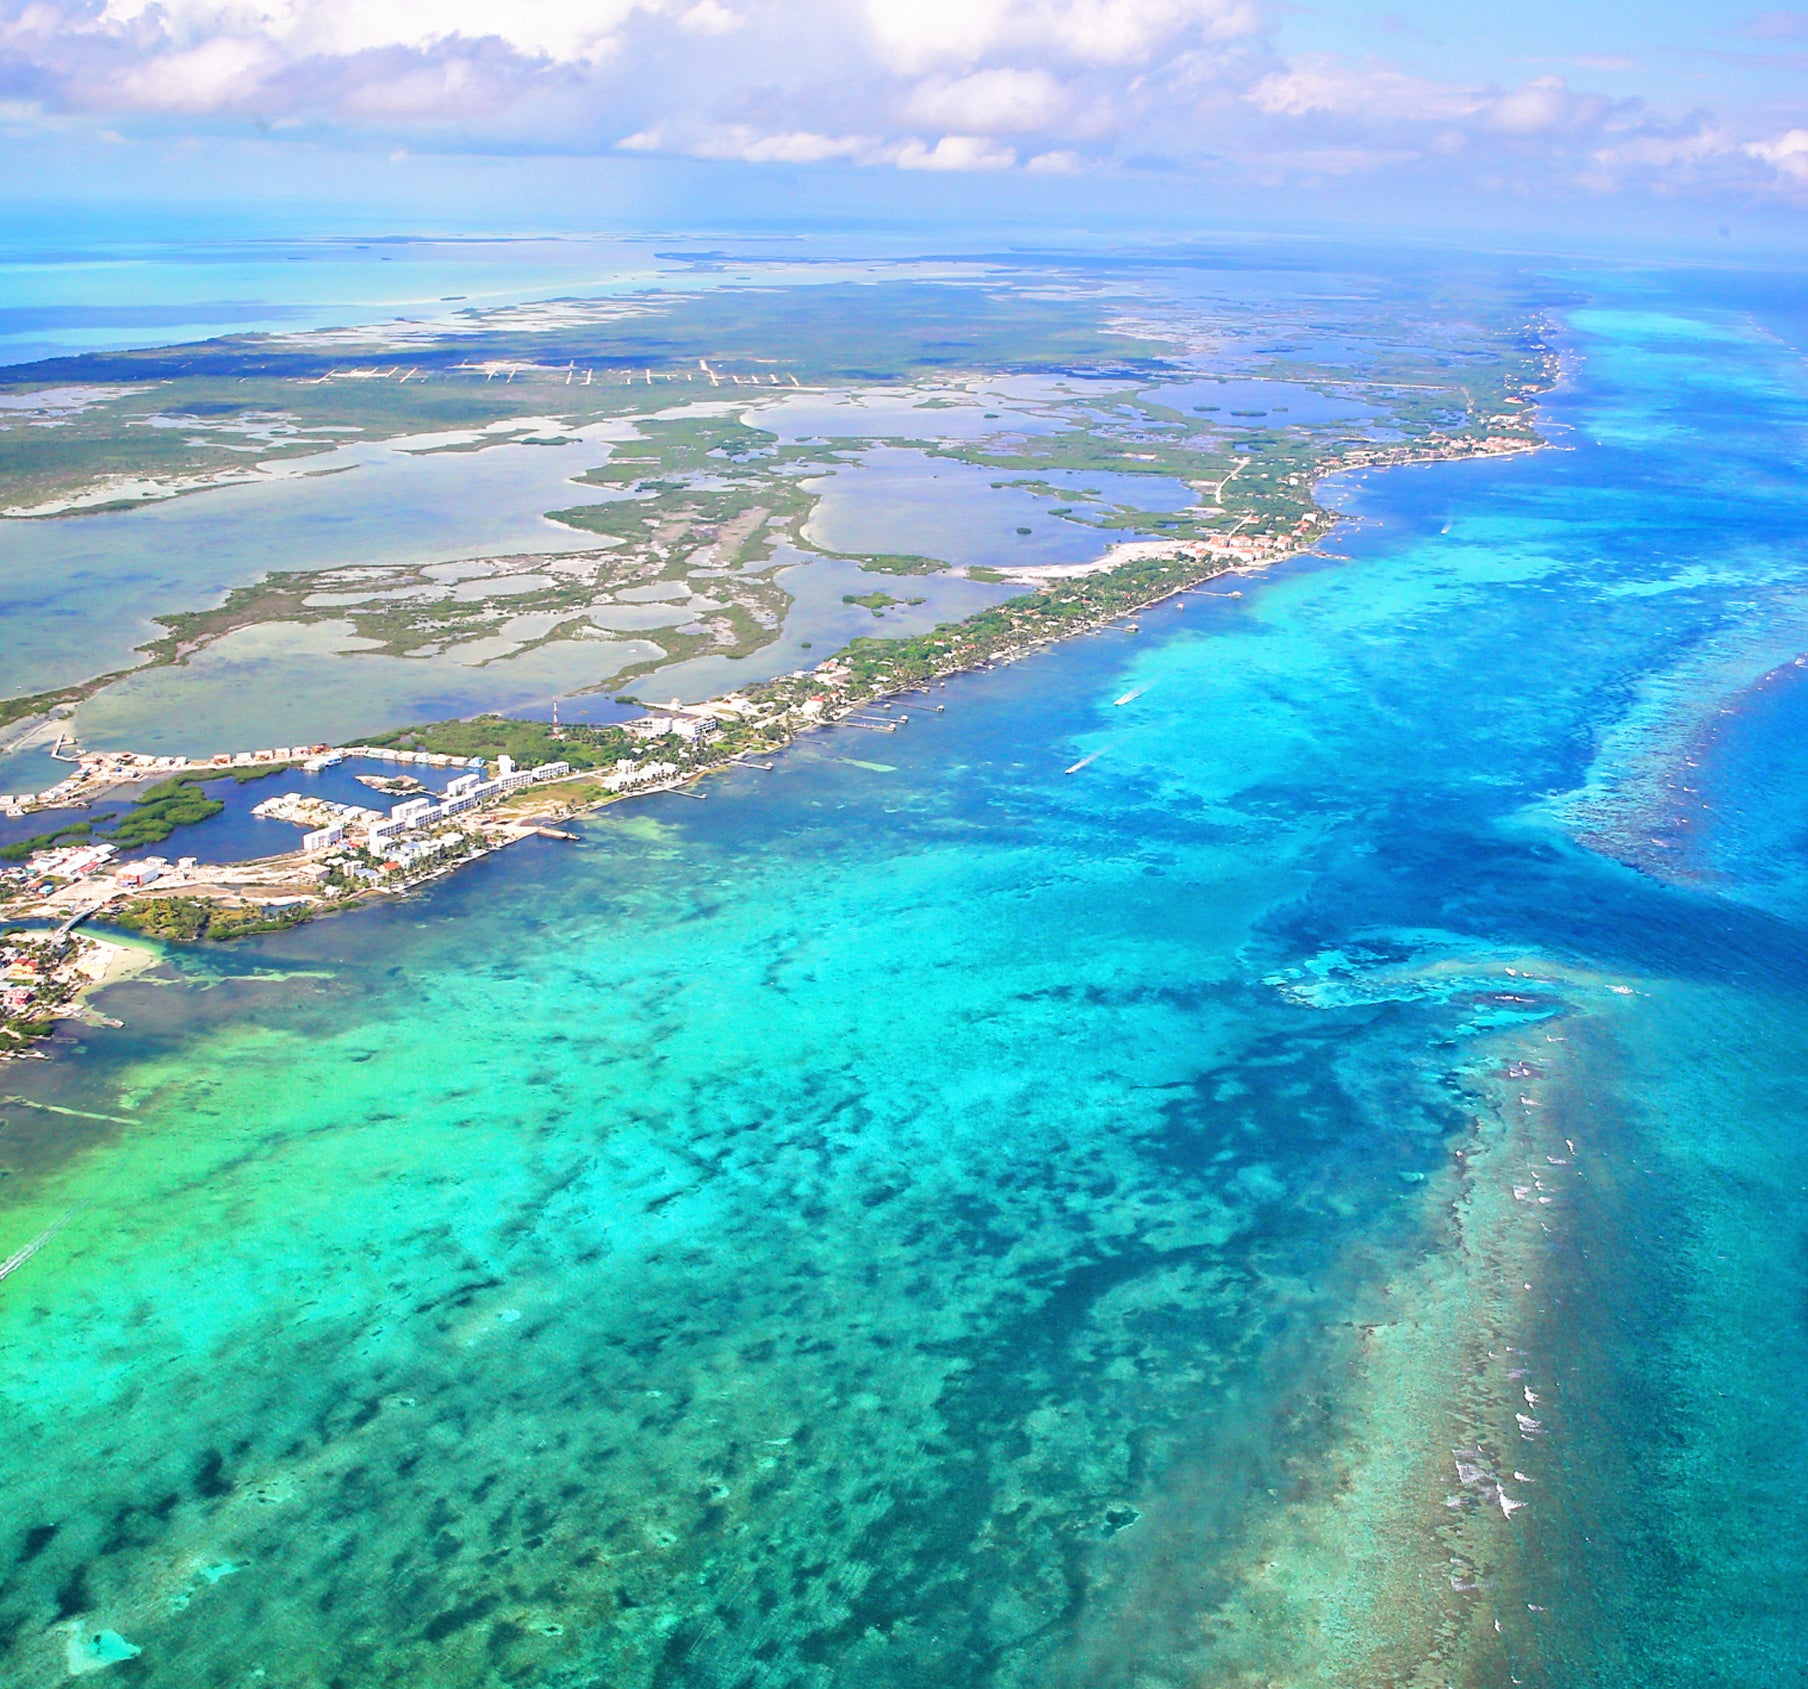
709, 17
995, 102
798, 146
748, 145
1323, 84
1787, 154
1381, 94
419, 91
1047, 86
563, 31
1665, 152
225, 71
1542, 107
917, 35
954, 152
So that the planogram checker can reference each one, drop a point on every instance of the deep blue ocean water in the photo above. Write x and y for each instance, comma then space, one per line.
1314, 1197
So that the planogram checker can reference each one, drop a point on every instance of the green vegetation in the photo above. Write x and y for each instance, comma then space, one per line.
1055, 610
295, 395
528, 742
891, 563
178, 802
17, 1031
244, 776
403, 610
181, 918
157, 813
877, 602
248, 922
19, 849
665, 447
164, 807
42, 703
38, 965
186, 920
710, 496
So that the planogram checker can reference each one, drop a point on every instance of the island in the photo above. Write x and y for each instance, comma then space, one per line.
1047, 461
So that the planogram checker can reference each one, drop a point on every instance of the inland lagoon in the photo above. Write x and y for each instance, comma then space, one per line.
1311, 1198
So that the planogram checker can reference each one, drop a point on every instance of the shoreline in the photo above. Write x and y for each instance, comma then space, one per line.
59, 974
765, 718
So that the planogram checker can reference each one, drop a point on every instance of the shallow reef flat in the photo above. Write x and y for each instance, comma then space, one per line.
758, 1304
1268, 1206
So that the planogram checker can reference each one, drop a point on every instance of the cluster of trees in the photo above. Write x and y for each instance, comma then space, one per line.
186, 919
528, 742
164, 807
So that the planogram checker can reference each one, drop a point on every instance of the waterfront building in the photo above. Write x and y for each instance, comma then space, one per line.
627, 774
470, 797
684, 724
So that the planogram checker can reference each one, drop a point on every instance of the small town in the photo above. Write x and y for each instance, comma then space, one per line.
349, 853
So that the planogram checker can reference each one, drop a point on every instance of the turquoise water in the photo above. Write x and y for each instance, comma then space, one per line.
921, 1217
78, 291
67, 289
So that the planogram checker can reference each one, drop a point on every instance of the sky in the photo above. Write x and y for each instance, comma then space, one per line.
1648, 114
